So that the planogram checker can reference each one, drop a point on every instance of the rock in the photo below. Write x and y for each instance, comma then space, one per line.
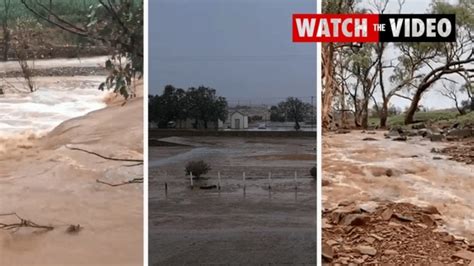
369, 139
379, 238
369, 206
390, 252
418, 126
355, 219
392, 133
394, 224
404, 218
331, 242
464, 254
447, 238
436, 137
437, 158
387, 214
343, 131
369, 240
327, 252
461, 133
401, 138
345, 203
389, 172
435, 150
424, 226
325, 182
366, 250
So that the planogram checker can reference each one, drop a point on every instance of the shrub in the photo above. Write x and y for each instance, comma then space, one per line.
313, 171
198, 168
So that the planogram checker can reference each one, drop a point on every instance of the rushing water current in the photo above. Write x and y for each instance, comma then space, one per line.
36, 113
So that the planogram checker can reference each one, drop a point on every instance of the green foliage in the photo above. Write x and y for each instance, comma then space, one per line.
73, 10
277, 115
201, 104
122, 23
292, 109
117, 24
119, 78
197, 168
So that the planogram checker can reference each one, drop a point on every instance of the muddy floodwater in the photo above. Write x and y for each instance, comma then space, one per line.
357, 171
46, 182
243, 223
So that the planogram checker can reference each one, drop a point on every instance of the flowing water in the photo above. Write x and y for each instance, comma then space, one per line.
357, 170
25, 115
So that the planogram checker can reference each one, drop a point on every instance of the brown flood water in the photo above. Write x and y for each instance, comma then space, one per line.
357, 170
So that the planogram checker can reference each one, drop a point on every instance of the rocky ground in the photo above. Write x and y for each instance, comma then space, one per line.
395, 233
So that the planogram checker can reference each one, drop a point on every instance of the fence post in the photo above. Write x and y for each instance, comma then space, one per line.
296, 182
219, 180
191, 179
269, 180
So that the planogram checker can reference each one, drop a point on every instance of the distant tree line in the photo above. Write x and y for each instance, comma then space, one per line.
202, 105
291, 110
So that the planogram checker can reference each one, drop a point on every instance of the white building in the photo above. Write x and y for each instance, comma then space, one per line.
238, 120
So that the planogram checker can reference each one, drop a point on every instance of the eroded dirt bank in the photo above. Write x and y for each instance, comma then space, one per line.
365, 172
50, 184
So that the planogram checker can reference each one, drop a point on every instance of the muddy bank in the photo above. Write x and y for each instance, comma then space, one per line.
97, 61
254, 225
49, 183
59, 72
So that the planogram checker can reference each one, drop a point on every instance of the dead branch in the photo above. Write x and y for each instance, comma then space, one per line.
104, 157
22, 223
133, 181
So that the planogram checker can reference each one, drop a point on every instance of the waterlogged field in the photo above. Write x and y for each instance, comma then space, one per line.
243, 223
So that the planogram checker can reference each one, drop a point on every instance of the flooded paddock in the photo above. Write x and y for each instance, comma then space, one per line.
245, 222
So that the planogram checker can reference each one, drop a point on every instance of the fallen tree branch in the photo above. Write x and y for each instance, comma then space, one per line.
133, 181
22, 223
104, 157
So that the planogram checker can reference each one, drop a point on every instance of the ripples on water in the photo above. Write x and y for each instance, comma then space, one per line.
34, 114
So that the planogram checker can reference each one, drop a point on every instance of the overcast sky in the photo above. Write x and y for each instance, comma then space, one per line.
242, 48
432, 99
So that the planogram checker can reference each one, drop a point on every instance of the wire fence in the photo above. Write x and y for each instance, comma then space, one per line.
219, 181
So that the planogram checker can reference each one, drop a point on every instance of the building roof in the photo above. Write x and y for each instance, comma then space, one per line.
238, 112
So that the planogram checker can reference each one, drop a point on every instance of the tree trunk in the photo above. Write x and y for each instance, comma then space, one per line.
328, 93
297, 125
365, 114
6, 42
384, 114
413, 107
